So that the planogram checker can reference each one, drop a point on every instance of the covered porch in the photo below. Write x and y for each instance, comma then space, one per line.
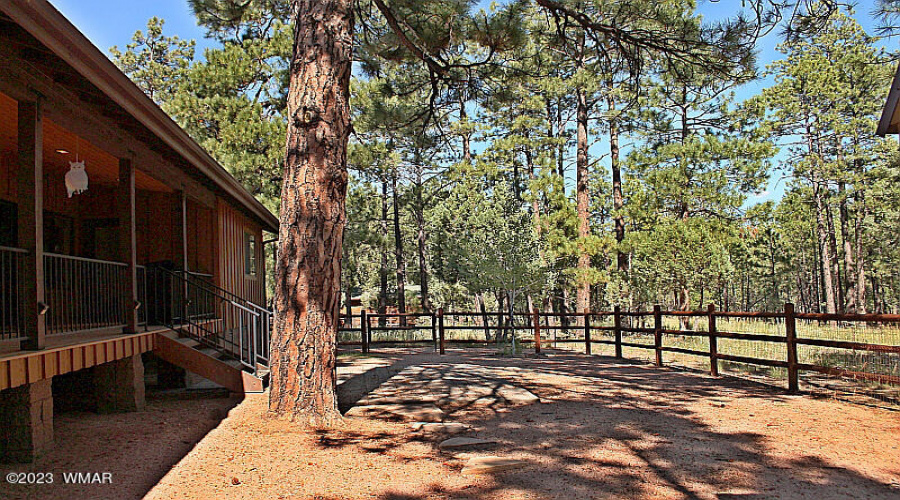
81, 266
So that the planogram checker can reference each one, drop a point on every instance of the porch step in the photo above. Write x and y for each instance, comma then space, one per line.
206, 362
209, 351
188, 342
234, 363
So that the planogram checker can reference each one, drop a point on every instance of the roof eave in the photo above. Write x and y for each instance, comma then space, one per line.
52, 29
890, 108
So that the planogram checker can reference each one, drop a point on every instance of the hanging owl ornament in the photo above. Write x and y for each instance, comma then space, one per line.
76, 178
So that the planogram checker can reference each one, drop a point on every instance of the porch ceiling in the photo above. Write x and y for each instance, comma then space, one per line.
102, 168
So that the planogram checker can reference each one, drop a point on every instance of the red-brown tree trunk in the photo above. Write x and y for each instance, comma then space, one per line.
618, 198
582, 198
308, 270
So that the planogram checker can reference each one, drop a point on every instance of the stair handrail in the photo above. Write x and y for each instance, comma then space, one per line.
259, 334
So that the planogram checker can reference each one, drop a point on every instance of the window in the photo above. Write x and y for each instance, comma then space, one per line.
249, 254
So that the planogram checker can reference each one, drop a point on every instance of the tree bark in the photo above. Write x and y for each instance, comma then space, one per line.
466, 136
618, 198
824, 246
422, 242
314, 190
833, 248
861, 212
849, 262
582, 197
383, 269
398, 252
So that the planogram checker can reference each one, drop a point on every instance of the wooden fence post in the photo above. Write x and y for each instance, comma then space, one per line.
790, 330
364, 329
713, 342
537, 330
657, 333
485, 322
440, 315
617, 330
587, 332
434, 333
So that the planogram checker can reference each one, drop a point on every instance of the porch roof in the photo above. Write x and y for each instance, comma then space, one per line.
62, 38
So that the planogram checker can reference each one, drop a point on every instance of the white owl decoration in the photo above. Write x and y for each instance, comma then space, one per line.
76, 178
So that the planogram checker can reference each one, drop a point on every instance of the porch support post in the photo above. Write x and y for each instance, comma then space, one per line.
184, 234
128, 244
181, 231
31, 225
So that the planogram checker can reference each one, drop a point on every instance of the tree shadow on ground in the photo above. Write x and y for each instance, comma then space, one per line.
607, 428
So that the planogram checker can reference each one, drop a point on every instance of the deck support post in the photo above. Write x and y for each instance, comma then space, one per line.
128, 244
31, 225
120, 385
182, 231
27, 415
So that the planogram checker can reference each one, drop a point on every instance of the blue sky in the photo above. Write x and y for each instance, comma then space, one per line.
107, 23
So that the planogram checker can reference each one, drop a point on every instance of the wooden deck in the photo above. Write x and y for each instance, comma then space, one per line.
71, 353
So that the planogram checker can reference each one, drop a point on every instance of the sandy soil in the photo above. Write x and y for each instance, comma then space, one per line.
137, 448
602, 429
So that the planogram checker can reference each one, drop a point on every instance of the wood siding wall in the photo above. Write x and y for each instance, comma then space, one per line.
230, 272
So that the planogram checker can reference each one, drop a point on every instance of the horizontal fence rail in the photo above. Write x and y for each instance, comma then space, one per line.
862, 347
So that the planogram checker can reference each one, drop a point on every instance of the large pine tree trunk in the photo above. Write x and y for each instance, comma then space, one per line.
466, 135
861, 213
582, 198
827, 256
383, 270
847, 244
398, 252
835, 260
422, 243
618, 198
308, 269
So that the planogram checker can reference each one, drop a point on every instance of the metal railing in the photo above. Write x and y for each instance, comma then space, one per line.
10, 308
211, 315
83, 294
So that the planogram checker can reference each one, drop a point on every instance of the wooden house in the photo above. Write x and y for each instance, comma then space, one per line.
119, 236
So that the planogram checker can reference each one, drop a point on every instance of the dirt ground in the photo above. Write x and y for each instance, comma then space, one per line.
603, 428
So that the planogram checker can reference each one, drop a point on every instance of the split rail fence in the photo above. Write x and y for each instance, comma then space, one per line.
850, 346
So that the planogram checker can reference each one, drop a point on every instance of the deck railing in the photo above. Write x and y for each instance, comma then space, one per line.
83, 294
10, 309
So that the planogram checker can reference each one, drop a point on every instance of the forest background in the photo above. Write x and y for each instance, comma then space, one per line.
564, 176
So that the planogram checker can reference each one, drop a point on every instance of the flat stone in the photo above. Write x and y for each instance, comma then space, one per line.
404, 400
422, 413
462, 442
518, 396
490, 465
440, 427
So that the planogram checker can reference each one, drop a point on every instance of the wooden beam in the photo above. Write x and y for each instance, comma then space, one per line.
128, 243
184, 230
31, 225
68, 110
